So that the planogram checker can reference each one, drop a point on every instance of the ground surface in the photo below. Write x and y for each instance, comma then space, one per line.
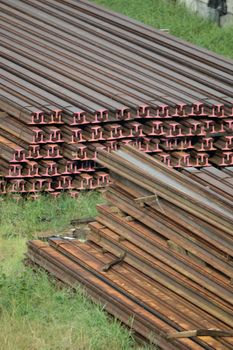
34, 313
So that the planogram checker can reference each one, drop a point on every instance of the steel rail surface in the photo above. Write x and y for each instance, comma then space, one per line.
197, 228
108, 63
62, 266
136, 236
134, 57
157, 180
83, 263
109, 82
93, 260
101, 32
39, 46
128, 35
171, 232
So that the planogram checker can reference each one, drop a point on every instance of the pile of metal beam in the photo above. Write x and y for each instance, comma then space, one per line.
46, 158
159, 255
75, 76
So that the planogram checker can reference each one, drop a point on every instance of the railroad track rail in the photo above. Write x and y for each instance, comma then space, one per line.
76, 77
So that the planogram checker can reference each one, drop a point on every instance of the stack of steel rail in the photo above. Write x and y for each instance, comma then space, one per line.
75, 76
159, 255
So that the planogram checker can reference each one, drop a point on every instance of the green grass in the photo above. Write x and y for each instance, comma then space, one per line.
35, 313
22, 218
179, 20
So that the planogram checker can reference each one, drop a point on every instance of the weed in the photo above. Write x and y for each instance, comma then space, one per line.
24, 218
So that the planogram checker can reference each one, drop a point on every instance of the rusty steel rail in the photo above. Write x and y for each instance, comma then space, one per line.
161, 181
136, 294
76, 77
38, 23
207, 250
114, 222
61, 18
212, 178
116, 303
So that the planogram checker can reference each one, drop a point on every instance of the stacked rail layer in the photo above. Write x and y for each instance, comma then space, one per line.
159, 255
75, 76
